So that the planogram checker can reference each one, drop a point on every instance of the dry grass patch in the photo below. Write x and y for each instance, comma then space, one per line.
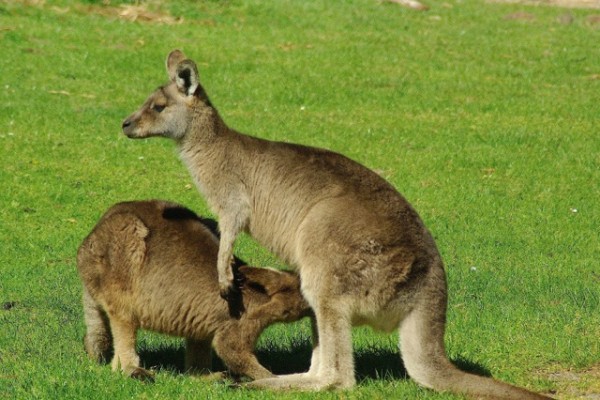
572, 384
147, 12
595, 4
136, 13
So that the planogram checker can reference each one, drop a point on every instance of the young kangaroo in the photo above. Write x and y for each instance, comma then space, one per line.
152, 265
363, 253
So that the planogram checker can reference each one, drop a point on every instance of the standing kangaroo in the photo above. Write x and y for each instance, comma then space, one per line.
362, 252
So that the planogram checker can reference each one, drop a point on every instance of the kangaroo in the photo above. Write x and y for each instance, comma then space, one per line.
363, 254
152, 265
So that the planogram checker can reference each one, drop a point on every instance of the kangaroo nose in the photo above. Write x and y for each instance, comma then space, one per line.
126, 123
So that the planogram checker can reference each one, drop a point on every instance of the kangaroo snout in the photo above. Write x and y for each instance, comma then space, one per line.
128, 127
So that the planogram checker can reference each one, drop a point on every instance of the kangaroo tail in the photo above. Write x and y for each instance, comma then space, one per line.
424, 354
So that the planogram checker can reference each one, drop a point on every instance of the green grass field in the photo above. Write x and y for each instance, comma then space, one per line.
485, 116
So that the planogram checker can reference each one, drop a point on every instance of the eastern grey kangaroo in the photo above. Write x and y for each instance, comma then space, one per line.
152, 265
362, 251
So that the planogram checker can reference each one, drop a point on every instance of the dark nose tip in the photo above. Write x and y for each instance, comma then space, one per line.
126, 123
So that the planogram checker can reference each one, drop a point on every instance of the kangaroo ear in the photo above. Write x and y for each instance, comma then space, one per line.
173, 59
183, 72
261, 279
186, 77
269, 280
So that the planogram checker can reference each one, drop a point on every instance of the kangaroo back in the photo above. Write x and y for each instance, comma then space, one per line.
152, 265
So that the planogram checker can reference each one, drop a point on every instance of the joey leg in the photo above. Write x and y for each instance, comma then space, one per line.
236, 351
98, 338
125, 358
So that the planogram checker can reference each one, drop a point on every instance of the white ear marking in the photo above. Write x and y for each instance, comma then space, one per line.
186, 77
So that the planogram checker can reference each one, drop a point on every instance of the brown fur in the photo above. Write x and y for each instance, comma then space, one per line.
363, 253
152, 265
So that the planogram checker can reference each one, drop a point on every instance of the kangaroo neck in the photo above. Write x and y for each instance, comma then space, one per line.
209, 152
206, 138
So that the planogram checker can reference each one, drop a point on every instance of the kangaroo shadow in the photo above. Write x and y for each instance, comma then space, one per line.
168, 358
171, 358
370, 364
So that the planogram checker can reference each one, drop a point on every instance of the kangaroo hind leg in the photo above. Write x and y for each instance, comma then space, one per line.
126, 358
98, 337
333, 356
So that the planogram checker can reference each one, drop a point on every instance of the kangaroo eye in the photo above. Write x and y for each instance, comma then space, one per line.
158, 107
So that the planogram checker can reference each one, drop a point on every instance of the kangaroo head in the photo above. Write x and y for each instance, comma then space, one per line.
280, 285
169, 110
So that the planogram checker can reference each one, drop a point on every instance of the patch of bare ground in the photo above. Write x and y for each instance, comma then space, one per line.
567, 18
572, 384
595, 4
148, 12
135, 13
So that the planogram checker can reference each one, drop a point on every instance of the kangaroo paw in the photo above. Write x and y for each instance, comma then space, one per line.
142, 374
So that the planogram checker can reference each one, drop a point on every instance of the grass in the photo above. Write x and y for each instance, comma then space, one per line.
487, 124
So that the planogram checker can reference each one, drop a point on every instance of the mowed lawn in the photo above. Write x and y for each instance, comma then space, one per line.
486, 116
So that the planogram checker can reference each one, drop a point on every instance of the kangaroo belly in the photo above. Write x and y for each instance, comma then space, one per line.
185, 316
179, 299
382, 321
